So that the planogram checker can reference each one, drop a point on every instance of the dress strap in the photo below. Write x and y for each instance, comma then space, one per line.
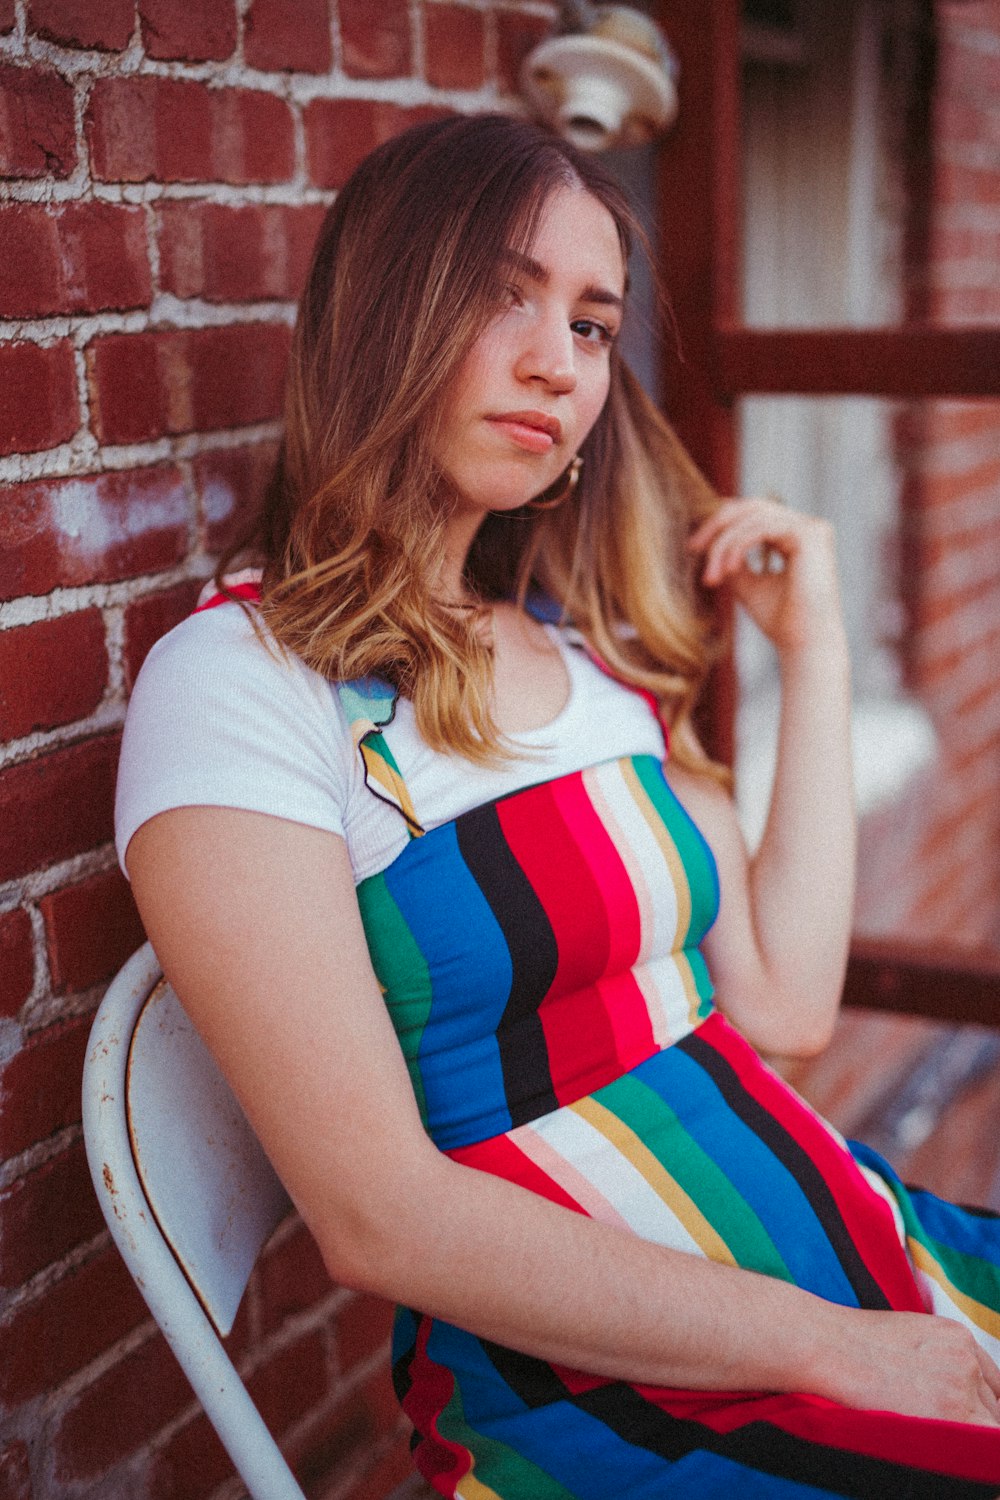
368, 703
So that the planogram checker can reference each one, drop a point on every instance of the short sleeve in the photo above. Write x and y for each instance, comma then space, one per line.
220, 718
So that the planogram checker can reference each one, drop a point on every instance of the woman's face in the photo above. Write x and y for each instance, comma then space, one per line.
534, 382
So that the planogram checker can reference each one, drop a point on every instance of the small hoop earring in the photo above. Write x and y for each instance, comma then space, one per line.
545, 501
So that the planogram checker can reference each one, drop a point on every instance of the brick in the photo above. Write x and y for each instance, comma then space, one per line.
45, 1215
80, 23
94, 529
91, 929
83, 257
454, 42
40, 1086
38, 401
8, 16
247, 254
291, 1278
375, 40
148, 618
191, 1466
136, 389
15, 1478
193, 33
37, 126
17, 960
341, 132
175, 130
517, 34
231, 483
259, 352
120, 1412
289, 1383
363, 1327
51, 673
56, 806
289, 36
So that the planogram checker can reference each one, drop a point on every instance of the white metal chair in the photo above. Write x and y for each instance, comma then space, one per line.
188, 1194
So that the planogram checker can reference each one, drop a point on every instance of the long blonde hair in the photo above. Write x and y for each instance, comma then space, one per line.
408, 270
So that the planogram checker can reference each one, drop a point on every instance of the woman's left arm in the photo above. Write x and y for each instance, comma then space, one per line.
779, 948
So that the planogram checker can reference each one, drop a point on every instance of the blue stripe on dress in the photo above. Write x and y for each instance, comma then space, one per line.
757, 1175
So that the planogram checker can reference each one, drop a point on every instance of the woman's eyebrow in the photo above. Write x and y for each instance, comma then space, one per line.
533, 270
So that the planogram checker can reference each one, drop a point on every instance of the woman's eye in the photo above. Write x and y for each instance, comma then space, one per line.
592, 331
513, 296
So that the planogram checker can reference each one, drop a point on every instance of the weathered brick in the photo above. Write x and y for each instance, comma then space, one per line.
259, 351
81, 257
8, 16
17, 960
191, 1465
45, 1215
79, 23
455, 41
291, 1278
246, 254
185, 379
15, 1476
231, 483
290, 1382
91, 929
94, 529
148, 618
51, 672
376, 40
120, 1412
38, 401
40, 1087
340, 132
176, 130
517, 34
56, 806
289, 36
363, 1327
37, 128
193, 33
86, 1312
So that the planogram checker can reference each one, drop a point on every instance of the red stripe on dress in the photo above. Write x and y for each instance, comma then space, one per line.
502, 1158
248, 591
432, 1388
867, 1218
579, 1038
956, 1449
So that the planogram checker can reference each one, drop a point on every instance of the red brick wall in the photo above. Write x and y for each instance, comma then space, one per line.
165, 165
933, 869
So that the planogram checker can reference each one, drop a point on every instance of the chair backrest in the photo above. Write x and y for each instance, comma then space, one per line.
187, 1192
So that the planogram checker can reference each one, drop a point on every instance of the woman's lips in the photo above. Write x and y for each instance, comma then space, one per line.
533, 431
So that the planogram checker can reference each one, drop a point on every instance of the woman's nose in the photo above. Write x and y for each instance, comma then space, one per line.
548, 355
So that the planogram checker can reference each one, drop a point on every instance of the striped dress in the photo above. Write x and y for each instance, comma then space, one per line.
540, 961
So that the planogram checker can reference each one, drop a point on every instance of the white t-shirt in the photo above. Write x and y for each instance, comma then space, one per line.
219, 719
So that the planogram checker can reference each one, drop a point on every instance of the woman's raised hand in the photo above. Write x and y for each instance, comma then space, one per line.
780, 564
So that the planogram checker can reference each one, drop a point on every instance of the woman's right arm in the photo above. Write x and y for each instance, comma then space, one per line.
256, 924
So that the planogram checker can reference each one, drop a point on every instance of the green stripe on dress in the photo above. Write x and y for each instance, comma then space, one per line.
499, 1467
691, 847
401, 970
644, 1111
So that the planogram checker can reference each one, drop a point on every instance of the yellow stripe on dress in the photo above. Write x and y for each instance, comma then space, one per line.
976, 1312
471, 1488
667, 1188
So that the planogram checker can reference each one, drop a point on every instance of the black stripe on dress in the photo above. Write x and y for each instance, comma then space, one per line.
797, 1161
534, 957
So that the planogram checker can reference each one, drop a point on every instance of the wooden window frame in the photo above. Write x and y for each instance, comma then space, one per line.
712, 359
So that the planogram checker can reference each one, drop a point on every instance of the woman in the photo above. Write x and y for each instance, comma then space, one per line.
406, 846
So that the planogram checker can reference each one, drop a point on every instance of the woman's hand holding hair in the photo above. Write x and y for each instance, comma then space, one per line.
781, 566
